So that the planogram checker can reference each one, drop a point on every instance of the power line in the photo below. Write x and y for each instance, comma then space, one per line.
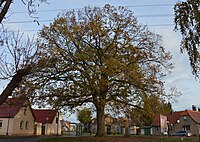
151, 25
48, 20
29, 21
63, 9
151, 5
155, 15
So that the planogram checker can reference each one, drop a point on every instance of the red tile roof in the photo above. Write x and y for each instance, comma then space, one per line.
11, 107
195, 115
171, 117
44, 116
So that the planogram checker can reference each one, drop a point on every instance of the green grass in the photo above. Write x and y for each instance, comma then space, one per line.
121, 139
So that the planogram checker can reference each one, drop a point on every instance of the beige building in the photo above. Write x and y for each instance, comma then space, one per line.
16, 118
47, 122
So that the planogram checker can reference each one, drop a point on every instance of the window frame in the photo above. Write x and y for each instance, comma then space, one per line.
1, 124
26, 125
21, 125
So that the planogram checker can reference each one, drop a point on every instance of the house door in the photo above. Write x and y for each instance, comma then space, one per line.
35, 130
109, 129
43, 129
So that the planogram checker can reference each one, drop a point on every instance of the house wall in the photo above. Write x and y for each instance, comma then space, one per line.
38, 128
7, 124
187, 121
23, 122
11, 126
55, 128
49, 129
156, 130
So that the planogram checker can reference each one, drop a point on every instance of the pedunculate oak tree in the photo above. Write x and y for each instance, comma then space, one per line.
187, 20
101, 56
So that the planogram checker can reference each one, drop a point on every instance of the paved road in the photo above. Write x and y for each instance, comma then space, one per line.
33, 138
23, 139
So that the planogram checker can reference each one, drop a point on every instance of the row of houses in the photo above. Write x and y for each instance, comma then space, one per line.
168, 123
18, 118
163, 124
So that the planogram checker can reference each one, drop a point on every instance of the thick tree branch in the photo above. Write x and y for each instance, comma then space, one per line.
5, 9
16, 80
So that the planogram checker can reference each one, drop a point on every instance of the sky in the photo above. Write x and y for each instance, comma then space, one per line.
156, 14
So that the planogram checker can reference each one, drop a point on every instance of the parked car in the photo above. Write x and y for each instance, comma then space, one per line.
182, 133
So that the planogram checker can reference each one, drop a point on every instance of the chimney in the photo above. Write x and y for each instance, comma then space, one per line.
194, 108
198, 108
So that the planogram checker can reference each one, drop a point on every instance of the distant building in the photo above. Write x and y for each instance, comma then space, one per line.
47, 122
115, 125
188, 120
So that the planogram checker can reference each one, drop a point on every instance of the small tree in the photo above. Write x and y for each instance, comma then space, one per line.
187, 20
85, 117
101, 56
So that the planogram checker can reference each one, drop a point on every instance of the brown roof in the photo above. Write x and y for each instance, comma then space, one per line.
44, 116
195, 115
11, 107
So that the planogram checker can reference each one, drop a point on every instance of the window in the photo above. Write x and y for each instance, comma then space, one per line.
186, 127
21, 124
26, 126
25, 110
1, 124
185, 118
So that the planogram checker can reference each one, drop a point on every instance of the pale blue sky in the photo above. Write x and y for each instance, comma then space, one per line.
181, 76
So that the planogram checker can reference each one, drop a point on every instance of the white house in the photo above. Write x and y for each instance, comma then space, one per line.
16, 117
47, 122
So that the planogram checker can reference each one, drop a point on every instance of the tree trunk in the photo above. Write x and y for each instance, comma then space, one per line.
100, 121
15, 81
5, 9
127, 129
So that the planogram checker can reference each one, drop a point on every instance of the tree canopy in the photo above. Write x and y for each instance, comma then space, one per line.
187, 20
101, 56
84, 115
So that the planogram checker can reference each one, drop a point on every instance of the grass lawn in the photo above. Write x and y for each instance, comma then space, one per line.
122, 139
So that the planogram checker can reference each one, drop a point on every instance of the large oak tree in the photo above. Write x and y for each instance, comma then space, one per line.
101, 56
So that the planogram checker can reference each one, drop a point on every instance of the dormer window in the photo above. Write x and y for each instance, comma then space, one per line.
185, 118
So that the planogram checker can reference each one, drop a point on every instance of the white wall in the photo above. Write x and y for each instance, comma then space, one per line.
5, 127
